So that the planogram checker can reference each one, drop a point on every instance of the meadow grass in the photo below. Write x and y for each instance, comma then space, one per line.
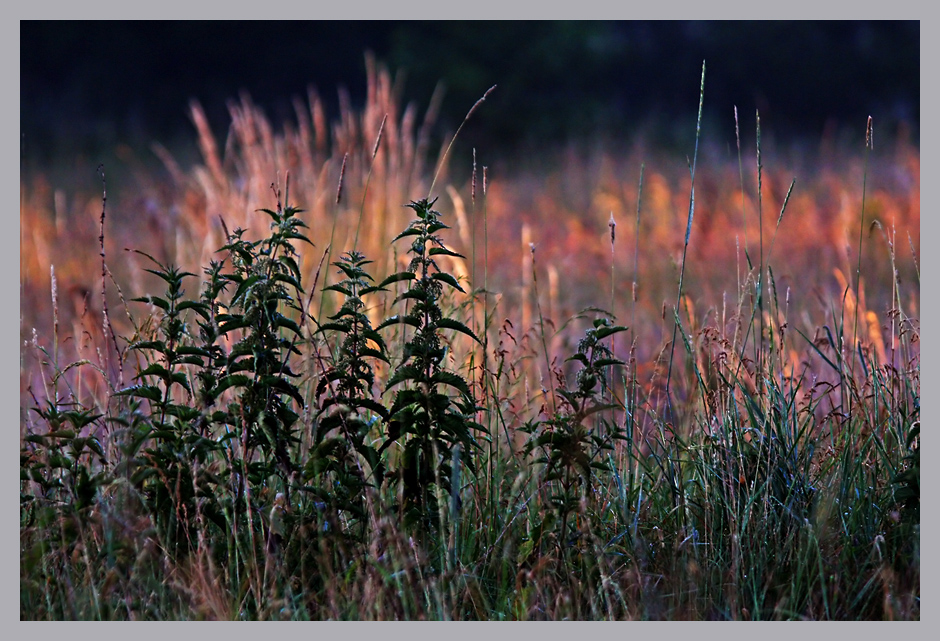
286, 414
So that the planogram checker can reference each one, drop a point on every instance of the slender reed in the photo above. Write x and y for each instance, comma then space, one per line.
538, 307
869, 145
440, 165
688, 231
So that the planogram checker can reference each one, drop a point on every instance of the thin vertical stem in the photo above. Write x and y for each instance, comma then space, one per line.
861, 230
538, 307
759, 344
688, 231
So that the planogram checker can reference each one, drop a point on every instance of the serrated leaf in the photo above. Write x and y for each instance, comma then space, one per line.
450, 323
570, 397
373, 335
154, 300
283, 386
158, 346
399, 319
411, 231
183, 412
184, 350
244, 286
92, 443
232, 380
339, 287
443, 251
283, 321
333, 327
406, 373
154, 369
297, 236
197, 306
61, 434
237, 322
413, 294
291, 264
180, 378
365, 291
394, 278
604, 332
290, 280
447, 278
374, 353
374, 406
149, 392
449, 378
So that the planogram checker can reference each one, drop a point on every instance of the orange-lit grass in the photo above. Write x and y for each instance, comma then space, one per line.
567, 208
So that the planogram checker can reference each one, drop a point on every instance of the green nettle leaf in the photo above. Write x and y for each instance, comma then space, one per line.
148, 392
155, 369
159, 346
197, 306
580, 358
290, 280
604, 332
413, 294
414, 321
339, 287
183, 412
404, 373
283, 321
605, 362
450, 323
394, 278
449, 378
408, 232
447, 278
443, 251
65, 434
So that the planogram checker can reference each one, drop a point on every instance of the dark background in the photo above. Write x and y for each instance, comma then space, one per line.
86, 86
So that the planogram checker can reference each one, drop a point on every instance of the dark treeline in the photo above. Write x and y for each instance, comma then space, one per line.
88, 85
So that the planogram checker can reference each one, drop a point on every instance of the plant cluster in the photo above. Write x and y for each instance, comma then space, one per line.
272, 460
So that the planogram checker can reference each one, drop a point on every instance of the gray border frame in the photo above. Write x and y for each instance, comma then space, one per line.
490, 9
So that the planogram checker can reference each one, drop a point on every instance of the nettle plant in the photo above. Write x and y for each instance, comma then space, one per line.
431, 426
566, 445
223, 426
162, 454
265, 274
348, 412
203, 399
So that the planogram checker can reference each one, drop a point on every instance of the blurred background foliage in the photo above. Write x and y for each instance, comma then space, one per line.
88, 86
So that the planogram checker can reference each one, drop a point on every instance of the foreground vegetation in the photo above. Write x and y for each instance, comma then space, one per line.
384, 432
